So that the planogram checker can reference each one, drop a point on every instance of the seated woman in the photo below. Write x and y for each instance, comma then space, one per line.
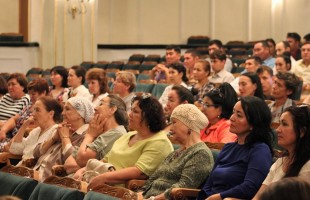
250, 85
16, 99
46, 114
242, 166
104, 129
137, 154
283, 64
284, 87
218, 105
36, 88
177, 76
97, 85
294, 137
77, 113
201, 74
76, 79
181, 169
59, 79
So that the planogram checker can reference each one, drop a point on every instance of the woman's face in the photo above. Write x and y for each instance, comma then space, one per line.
281, 66
104, 108
211, 110
238, 122
34, 95
246, 87
173, 101
175, 76
135, 116
73, 80
278, 89
93, 86
199, 72
179, 131
40, 115
70, 115
56, 79
286, 132
119, 86
15, 89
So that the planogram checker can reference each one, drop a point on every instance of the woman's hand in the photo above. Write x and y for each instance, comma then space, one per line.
63, 131
215, 197
79, 174
96, 181
96, 125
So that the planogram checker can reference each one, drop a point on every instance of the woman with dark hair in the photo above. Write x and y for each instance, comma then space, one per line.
201, 72
217, 105
250, 85
3, 87
284, 86
283, 63
76, 79
294, 137
59, 75
177, 76
242, 166
16, 98
46, 114
137, 154
97, 85
105, 128
36, 88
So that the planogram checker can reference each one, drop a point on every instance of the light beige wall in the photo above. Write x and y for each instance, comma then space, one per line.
9, 18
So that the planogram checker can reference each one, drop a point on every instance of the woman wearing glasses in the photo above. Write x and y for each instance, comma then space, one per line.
294, 137
242, 166
137, 154
217, 105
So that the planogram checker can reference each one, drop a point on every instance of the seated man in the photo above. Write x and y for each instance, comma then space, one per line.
219, 74
191, 56
160, 72
266, 74
262, 50
294, 40
218, 45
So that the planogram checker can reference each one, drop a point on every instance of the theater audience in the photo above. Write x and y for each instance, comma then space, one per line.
37, 88
16, 99
59, 79
284, 87
137, 154
104, 129
177, 76
294, 137
242, 166
124, 84
76, 80
77, 113
218, 105
46, 115
250, 85
180, 169
97, 85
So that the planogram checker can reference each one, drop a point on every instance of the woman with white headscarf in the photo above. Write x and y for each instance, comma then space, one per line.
77, 113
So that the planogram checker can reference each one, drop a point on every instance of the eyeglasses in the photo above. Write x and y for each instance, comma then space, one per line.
206, 105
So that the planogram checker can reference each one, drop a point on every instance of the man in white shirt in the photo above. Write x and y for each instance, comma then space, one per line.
218, 45
219, 74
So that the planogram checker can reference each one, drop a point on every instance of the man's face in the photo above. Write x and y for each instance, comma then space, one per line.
172, 56
250, 65
212, 48
189, 60
266, 81
305, 52
261, 51
217, 65
280, 49
293, 43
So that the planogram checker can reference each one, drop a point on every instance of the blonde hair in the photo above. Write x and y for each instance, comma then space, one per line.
127, 78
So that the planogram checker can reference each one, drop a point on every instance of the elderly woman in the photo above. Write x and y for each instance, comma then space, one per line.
16, 99
180, 168
76, 79
124, 84
137, 154
242, 166
284, 86
59, 79
177, 76
104, 129
77, 113
250, 85
36, 88
97, 85
46, 114
293, 136
218, 105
